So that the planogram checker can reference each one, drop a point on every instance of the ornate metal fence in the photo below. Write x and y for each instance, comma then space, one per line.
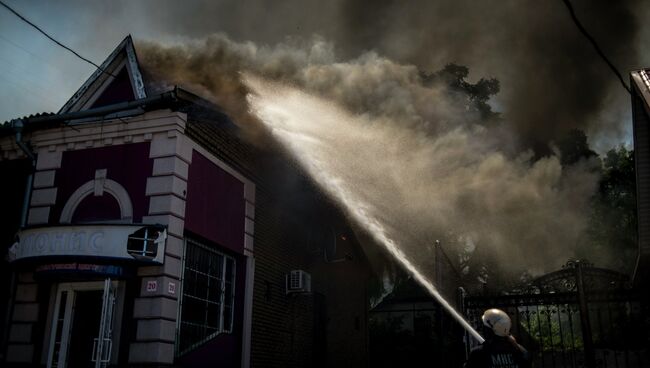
580, 316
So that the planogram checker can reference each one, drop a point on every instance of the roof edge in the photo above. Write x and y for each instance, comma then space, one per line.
135, 74
173, 98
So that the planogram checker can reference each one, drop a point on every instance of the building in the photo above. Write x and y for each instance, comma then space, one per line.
640, 90
142, 230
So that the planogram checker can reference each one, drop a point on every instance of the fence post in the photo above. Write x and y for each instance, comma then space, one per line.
590, 354
461, 294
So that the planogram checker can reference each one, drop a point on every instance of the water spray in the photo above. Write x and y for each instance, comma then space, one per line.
287, 117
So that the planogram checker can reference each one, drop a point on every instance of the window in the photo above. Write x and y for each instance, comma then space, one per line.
143, 243
208, 295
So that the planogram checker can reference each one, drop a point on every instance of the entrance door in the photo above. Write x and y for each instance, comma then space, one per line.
84, 328
81, 332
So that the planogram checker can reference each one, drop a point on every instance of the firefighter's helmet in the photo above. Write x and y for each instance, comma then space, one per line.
498, 321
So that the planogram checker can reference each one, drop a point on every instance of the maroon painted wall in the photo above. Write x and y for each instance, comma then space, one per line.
215, 206
97, 209
128, 164
118, 91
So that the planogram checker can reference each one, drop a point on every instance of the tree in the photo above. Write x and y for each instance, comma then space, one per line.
477, 95
574, 147
612, 229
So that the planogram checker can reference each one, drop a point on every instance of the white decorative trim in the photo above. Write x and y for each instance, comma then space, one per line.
48, 160
645, 78
43, 197
248, 244
248, 312
170, 165
134, 69
175, 224
168, 184
100, 180
110, 186
249, 226
134, 73
167, 204
44, 179
135, 129
250, 210
38, 215
96, 74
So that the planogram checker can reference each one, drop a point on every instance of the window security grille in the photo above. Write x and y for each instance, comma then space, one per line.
208, 294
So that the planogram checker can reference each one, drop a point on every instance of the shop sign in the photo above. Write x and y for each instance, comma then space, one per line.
132, 242
85, 268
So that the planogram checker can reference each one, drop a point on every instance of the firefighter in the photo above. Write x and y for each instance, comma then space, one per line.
500, 349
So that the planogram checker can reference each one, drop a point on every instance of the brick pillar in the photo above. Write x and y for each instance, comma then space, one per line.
156, 308
43, 192
20, 346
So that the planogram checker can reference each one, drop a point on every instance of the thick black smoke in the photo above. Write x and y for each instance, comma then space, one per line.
552, 80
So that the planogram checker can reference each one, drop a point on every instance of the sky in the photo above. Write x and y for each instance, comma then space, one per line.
551, 78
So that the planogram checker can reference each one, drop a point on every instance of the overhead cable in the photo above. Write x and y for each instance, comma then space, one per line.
53, 39
593, 42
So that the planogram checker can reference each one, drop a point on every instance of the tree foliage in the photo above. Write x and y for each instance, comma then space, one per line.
574, 147
613, 222
476, 95
611, 237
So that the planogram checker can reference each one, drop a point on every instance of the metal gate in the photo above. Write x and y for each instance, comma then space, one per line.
580, 316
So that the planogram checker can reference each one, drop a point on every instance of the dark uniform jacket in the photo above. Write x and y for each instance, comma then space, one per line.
498, 352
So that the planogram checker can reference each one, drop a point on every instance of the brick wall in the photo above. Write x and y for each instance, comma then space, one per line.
642, 162
326, 327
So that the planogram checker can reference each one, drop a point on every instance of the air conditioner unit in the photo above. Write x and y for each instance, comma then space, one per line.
298, 281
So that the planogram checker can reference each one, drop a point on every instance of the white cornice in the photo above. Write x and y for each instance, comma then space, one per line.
97, 133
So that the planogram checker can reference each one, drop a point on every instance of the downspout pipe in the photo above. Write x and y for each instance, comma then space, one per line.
18, 126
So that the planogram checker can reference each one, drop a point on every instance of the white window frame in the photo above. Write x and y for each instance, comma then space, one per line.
221, 329
71, 288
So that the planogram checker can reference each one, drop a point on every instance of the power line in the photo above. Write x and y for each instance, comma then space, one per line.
11, 43
595, 45
26, 72
48, 64
29, 91
54, 40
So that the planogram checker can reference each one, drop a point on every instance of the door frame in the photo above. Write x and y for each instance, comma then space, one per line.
71, 288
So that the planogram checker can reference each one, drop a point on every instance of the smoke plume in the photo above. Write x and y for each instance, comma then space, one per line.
552, 80
437, 171
410, 150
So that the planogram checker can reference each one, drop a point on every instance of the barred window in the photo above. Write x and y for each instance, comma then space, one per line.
208, 295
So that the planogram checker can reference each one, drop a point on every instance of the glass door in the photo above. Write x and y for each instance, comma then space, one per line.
82, 325
103, 343
84, 328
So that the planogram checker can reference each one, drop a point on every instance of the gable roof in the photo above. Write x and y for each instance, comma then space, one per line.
119, 75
